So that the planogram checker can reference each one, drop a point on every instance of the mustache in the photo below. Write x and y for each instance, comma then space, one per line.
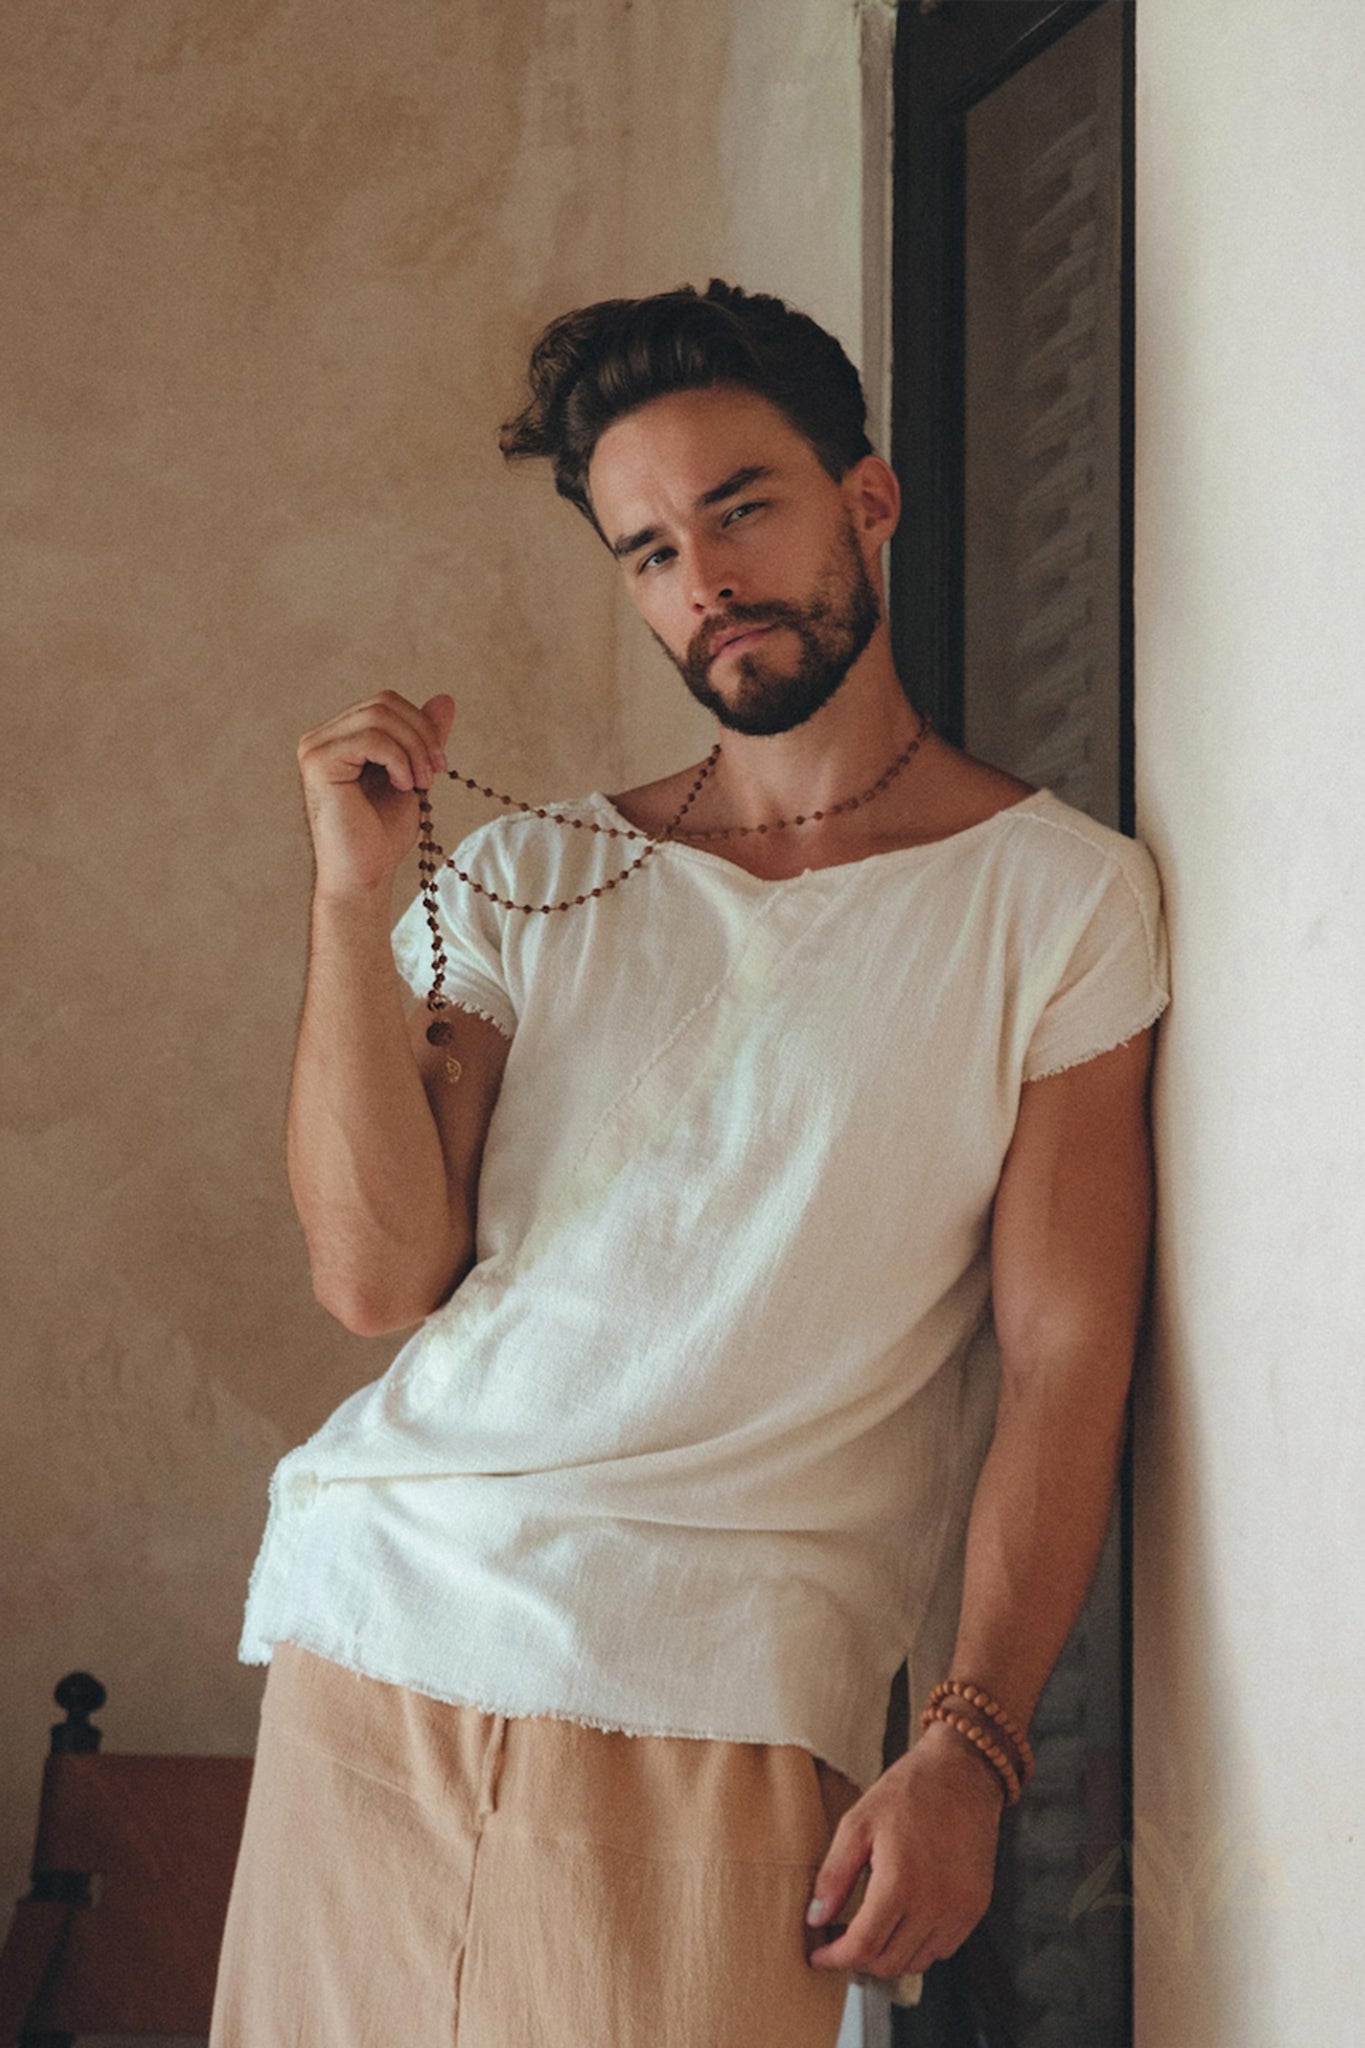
742, 617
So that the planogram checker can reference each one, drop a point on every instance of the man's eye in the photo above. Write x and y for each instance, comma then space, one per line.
658, 555
738, 511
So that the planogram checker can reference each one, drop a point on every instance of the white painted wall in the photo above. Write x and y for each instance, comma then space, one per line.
1250, 595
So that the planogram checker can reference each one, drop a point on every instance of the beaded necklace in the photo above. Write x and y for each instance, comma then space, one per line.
434, 857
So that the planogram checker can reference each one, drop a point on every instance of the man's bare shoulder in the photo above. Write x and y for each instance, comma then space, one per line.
967, 790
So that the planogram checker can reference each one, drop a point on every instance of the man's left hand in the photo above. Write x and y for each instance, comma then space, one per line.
927, 1829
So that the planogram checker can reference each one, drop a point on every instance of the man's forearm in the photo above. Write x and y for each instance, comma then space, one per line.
928, 1827
365, 1160
1038, 1522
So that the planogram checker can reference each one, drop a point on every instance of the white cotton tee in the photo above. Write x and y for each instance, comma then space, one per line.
690, 1450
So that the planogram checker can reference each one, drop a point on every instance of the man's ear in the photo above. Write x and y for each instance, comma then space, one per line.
873, 496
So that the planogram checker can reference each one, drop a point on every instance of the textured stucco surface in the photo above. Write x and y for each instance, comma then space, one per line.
1250, 1430
272, 269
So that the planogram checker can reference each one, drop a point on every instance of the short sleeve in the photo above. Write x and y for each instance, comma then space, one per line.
471, 931
1116, 979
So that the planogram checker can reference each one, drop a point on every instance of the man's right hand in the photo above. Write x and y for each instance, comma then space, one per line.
361, 772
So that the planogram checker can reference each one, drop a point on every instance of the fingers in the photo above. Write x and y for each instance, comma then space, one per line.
878, 1922
906, 1948
441, 718
387, 731
891, 1932
424, 737
846, 1856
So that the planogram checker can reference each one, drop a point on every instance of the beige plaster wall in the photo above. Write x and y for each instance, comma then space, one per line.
271, 272
1250, 607
271, 269
744, 160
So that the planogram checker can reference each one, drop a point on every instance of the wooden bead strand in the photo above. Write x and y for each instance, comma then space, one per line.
434, 858
848, 803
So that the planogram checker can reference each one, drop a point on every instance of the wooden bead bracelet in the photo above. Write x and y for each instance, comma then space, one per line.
978, 1737
937, 1709
975, 1697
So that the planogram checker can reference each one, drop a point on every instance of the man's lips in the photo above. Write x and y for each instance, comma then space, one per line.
739, 638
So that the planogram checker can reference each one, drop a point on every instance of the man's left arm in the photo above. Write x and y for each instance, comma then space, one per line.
1070, 1243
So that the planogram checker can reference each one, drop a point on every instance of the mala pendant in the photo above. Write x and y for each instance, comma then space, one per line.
443, 1033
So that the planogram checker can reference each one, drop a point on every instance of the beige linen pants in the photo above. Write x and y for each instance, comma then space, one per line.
418, 1872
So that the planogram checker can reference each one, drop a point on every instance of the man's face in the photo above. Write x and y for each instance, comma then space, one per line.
724, 520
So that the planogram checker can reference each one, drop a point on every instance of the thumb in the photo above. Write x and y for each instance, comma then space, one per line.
835, 1878
441, 710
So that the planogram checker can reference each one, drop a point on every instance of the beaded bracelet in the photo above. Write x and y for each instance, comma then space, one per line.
975, 1697
977, 1735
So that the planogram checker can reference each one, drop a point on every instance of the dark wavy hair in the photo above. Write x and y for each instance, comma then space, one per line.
593, 365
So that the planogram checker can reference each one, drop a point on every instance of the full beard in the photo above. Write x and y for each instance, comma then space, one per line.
832, 630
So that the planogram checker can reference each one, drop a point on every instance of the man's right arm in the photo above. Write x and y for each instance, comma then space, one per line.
383, 1149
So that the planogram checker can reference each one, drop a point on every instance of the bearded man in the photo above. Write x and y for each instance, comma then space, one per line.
774, 1220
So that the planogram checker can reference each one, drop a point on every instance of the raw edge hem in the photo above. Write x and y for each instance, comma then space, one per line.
1093, 1052
303, 1641
474, 1009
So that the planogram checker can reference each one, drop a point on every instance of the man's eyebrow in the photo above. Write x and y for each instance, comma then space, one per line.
740, 480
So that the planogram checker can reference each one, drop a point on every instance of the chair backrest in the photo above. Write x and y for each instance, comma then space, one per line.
156, 1839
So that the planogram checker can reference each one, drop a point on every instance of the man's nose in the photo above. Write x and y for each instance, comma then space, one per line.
710, 578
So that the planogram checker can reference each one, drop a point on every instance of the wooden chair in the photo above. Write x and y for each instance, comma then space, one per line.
131, 1873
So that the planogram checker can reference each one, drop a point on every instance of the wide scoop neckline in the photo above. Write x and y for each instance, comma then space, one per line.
895, 855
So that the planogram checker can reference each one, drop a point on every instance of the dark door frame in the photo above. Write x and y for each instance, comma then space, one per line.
950, 54
948, 57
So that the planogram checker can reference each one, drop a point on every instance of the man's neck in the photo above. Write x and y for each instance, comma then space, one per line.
838, 752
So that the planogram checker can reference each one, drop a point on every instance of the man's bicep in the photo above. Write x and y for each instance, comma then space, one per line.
462, 1107
1071, 1224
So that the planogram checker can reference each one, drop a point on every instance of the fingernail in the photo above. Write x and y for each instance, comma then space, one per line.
817, 1912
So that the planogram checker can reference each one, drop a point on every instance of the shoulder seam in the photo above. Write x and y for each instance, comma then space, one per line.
1114, 859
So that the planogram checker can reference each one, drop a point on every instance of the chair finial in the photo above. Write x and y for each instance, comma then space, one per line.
80, 1696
